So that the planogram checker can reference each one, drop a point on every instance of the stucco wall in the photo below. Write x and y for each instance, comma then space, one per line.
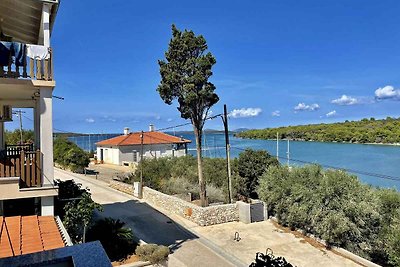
201, 216
110, 154
118, 155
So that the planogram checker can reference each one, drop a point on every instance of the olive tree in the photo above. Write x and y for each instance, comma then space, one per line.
184, 77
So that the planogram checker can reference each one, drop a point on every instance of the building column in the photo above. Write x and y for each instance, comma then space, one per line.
2, 137
36, 123
46, 135
47, 206
46, 24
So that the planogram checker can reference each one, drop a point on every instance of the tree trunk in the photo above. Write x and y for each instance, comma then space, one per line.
84, 233
202, 182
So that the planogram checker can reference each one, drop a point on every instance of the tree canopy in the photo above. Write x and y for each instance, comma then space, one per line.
14, 137
371, 130
184, 77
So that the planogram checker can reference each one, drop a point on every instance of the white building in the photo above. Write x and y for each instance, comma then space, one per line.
27, 81
126, 148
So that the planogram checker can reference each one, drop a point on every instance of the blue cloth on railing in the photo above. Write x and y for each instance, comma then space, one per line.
5, 50
17, 51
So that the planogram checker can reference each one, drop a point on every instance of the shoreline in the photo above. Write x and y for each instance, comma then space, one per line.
332, 142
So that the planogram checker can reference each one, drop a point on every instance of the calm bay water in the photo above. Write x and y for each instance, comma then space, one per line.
377, 159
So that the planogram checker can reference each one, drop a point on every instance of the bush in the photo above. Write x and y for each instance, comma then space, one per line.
251, 165
155, 171
179, 175
336, 207
14, 137
79, 215
116, 239
67, 191
68, 155
152, 253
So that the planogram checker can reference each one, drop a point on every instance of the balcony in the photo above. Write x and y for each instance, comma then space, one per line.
23, 162
21, 61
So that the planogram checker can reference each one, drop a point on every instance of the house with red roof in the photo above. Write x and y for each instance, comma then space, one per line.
128, 148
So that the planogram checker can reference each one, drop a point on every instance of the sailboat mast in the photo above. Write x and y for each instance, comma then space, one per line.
277, 146
288, 151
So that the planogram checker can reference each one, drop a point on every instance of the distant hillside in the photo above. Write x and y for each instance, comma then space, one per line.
239, 130
386, 131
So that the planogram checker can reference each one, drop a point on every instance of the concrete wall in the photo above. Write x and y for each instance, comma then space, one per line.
118, 155
202, 216
9, 188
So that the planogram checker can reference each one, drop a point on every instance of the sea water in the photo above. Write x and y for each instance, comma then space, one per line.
366, 161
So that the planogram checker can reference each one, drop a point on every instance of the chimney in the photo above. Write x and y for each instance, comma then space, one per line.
151, 128
126, 131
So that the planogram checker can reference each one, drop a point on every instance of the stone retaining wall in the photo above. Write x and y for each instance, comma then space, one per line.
202, 216
123, 187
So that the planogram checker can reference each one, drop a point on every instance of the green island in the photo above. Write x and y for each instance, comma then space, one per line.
374, 131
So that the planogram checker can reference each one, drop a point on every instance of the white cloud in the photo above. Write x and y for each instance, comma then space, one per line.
245, 112
90, 120
331, 114
304, 107
276, 113
345, 100
387, 92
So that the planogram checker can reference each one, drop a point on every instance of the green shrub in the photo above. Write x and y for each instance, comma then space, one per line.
336, 207
251, 165
185, 167
68, 190
155, 171
68, 155
78, 216
152, 253
14, 137
116, 239
179, 175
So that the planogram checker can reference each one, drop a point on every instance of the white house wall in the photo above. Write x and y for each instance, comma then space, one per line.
126, 153
110, 155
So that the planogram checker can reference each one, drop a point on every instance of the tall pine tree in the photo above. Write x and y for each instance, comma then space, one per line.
184, 77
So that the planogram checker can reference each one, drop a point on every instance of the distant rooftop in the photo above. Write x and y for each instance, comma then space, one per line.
148, 138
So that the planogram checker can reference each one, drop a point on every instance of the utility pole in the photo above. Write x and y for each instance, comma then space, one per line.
19, 114
228, 156
141, 165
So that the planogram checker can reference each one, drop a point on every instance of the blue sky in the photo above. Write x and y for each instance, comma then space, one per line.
278, 62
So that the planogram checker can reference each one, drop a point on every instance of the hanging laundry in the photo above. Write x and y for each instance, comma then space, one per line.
15, 50
19, 53
37, 52
5, 50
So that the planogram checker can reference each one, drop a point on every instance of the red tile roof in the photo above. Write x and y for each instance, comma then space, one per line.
148, 138
28, 234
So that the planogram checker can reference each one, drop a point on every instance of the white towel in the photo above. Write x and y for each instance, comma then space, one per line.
37, 51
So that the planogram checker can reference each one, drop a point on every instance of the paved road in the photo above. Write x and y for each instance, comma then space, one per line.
152, 226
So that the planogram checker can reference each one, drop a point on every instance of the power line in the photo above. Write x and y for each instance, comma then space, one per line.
376, 175
187, 123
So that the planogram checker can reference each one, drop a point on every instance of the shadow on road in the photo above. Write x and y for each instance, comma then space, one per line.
148, 224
